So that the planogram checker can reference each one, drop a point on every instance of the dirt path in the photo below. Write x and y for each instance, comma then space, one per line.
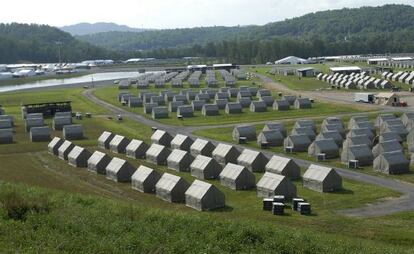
380, 208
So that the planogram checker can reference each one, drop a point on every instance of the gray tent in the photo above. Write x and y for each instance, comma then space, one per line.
180, 97
191, 95
301, 103
78, 157
253, 160
333, 120
135, 102
268, 100
263, 92
221, 103
159, 112
304, 131
98, 162
233, 92
399, 129
273, 184
298, 143
361, 153
185, 111
198, 105
121, 94
6, 124
407, 117
118, 144
210, 110
305, 123
322, 179
359, 132
144, 179
171, 188
245, 102
221, 95
275, 126
157, 154
237, 177
39, 134
225, 153
357, 140
119, 170
387, 136
246, 131
258, 106
59, 122
73, 132
181, 142
244, 94
253, 90
54, 145
270, 138
202, 147
203, 196
281, 105
148, 107
392, 163
383, 117
157, 100
33, 122
204, 167
146, 96
386, 147
180, 160
331, 135
289, 98
334, 127
6, 136
105, 139
283, 166
233, 108
65, 149
161, 137
173, 106
136, 149
327, 147
362, 125
7, 118
357, 119
202, 97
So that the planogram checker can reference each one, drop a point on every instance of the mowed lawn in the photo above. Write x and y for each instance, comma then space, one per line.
80, 219
110, 95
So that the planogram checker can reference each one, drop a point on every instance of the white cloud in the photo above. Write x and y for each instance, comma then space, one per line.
170, 13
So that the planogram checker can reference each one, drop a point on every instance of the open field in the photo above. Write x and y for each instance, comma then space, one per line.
110, 95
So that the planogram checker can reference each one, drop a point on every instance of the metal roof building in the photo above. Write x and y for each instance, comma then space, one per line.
98, 162
210, 110
322, 179
237, 177
275, 126
302, 103
144, 179
39, 134
273, 184
283, 166
203, 196
119, 170
159, 112
6, 136
171, 188
73, 132
334, 135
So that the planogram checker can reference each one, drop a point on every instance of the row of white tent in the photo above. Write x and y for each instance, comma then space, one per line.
409, 64
401, 76
354, 81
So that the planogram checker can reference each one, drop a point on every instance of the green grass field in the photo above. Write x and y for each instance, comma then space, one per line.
72, 210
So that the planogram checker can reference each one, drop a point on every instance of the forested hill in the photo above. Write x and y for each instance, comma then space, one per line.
336, 26
100, 27
39, 43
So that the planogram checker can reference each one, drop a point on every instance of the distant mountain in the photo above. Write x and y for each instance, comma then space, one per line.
101, 27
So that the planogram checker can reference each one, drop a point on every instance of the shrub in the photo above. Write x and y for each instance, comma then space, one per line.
17, 207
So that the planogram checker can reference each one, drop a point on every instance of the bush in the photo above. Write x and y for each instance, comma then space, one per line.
17, 207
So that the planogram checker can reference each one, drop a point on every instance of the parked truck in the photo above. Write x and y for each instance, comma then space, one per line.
364, 97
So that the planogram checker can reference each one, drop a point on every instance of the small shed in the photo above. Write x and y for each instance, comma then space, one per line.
268, 100
270, 138
144, 179
118, 144
149, 106
263, 92
224, 154
253, 160
221, 103
273, 184
136, 149
202, 147
180, 160
73, 132
79, 157
33, 122
322, 179
356, 119
386, 147
205, 168
327, 147
135, 102
281, 105
198, 105
361, 153
290, 98
98, 162
173, 106
181, 142
157, 154
245, 102
210, 110
59, 122
185, 111
334, 135
358, 132
105, 139
65, 149
6, 136
297, 143
203, 196
304, 131
233, 108
283, 166
302, 103
54, 145
387, 136
275, 126
258, 106
119, 170
334, 127
245, 131
357, 140
237, 177
387, 99
382, 118
392, 163
161, 137
39, 134
305, 123
159, 112
171, 188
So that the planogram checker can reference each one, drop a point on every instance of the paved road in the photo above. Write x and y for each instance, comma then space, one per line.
382, 207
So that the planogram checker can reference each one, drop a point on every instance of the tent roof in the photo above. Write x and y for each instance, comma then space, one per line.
134, 144
223, 149
104, 136
270, 181
198, 189
199, 144
116, 164
201, 162
117, 140
318, 173
158, 134
232, 171
179, 139
142, 173
168, 181
248, 156
278, 162
177, 155
96, 157
155, 150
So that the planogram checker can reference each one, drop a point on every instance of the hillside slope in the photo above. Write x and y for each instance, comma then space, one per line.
100, 27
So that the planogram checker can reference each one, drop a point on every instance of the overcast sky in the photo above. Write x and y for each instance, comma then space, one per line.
170, 13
